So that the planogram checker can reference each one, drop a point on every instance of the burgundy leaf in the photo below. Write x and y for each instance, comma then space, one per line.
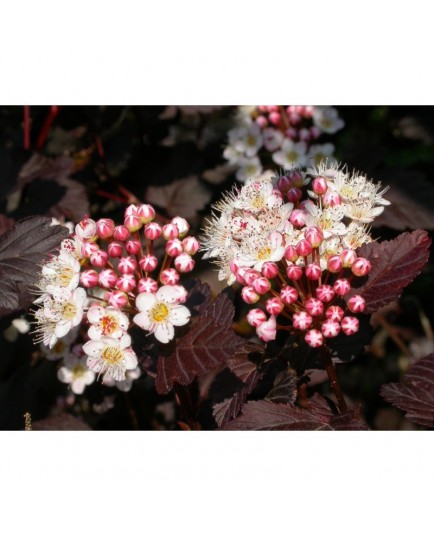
284, 390
415, 394
395, 264
352, 420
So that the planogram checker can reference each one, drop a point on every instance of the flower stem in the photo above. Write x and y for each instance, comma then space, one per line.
54, 110
331, 373
27, 127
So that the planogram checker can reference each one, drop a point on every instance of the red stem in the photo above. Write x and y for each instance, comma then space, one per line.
54, 110
27, 127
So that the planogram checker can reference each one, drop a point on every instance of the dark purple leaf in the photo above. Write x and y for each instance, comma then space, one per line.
395, 264
415, 394
284, 390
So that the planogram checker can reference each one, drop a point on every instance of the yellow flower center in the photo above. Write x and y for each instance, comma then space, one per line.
65, 276
112, 355
264, 253
251, 141
69, 311
109, 324
258, 202
291, 156
78, 371
159, 312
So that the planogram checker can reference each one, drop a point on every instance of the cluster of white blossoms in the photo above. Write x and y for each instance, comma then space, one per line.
291, 242
282, 135
102, 276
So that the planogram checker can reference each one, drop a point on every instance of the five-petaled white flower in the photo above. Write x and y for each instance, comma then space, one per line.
111, 356
76, 373
291, 154
106, 322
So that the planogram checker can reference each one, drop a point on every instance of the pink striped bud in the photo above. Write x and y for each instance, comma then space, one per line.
331, 198
314, 236
256, 317
118, 299
304, 248
153, 231
132, 223
89, 278
348, 256
350, 325
131, 210
288, 295
334, 264
269, 269
249, 295
86, 229
313, 271
169, 276
274, 118
239, 276
99, 258
298, 218
170, 231
133, 247
184, 263
126, 283
127, 265
148, 263
261, 121
174, 247
190, 245
121, 233
146, 213
105, 228
274, 306
335, 313
147, 284
284, 183
251, 275
291, 254
182, 224
319, 186
356, 304
182, 293
361, 267
261, 285
314, 338
294, 118
88, 248
341, 287
302, 320
294, 272
294, 195
267, 330
314, 307
330, 329
273, 108
115, 249
296, 178
108, 278
325, 293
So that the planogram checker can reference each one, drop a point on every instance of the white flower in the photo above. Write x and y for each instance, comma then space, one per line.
259, 251
76, 373
327, 119
257, 195
62, 348
111, 356
319, 153
329, 220
160, 312
362, 211
247, 140
356, 236
291, 154
73, 245
123, 385
273, 139
249, 168
62, 271
106, 322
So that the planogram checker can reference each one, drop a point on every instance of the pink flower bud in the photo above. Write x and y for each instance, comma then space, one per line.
174, 247
273, 108
298, 218
147, 284
269, 270
330, 329
350, 325
133, 247
291, 253
325, 293
131, 210
334, 264
314, 307
108, 278
261, 285
86, 229
335, 313
148, 263
239, 276
314, 338
274, 118
190, 245
105, 228
331, 198
341, 287
115, 249
182, 224
314, 236
313, 271
121, 233
126, 283
348, 256
284, 183
89, 278
117, 299
127, 265
361, 267
319, 186
294, 195
291, 133
294, 272
169, 276
356, 304
261, 121
288, 295
315, 132
304, 134
274, 306
88, 248
99, 258
302, 320
170, 231
267, 330
153, 231
132, 223
184, 263
296, 178
249, 295
256, 317
251, 275
182, 293
146, 213
304, 248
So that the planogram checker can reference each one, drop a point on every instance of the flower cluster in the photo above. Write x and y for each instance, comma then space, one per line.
283, 135
107, 277
291, 242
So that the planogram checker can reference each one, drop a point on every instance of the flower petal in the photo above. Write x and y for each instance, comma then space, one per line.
167, 294
143, 320
179, 315
145, 300
93, 348
95, 314
164, 332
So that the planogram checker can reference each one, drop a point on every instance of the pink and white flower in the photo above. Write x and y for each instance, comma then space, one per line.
76, 373
291, 154
106, 322
111, 356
